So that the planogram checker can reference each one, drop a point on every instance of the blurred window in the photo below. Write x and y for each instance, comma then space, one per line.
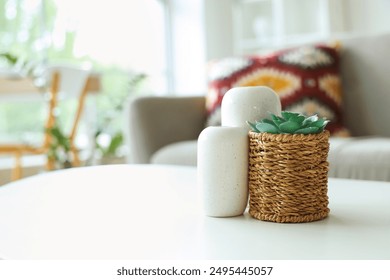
122, 39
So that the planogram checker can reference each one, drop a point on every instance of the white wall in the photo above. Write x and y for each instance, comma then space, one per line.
346, 17
218, 28
188, 47
367, 16
203, 30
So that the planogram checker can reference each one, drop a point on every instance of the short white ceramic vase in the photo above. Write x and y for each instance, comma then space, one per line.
223, 170
242, 104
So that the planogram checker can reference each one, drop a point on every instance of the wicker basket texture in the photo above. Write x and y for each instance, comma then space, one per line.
288, 177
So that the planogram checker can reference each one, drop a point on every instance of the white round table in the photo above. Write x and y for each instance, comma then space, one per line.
154, 212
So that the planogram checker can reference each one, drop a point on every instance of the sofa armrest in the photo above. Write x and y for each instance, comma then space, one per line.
154, 122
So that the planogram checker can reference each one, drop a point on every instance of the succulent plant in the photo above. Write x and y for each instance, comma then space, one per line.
290, 123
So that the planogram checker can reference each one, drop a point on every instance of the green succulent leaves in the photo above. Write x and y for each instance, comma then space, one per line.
290, 123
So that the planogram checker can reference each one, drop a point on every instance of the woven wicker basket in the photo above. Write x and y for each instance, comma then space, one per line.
288, 177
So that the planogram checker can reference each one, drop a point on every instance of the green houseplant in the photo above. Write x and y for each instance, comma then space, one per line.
59, 149
290, 122
109, 137
288, 168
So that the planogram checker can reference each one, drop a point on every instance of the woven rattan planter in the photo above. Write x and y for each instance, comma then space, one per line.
288, 177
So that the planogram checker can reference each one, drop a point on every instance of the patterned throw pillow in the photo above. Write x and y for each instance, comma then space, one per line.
306, 79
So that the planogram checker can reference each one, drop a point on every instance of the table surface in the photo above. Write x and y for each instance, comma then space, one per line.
155, 212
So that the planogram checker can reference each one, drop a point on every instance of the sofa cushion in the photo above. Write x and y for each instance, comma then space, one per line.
365, 72
179, 153
306, 79
352, 158
366, 158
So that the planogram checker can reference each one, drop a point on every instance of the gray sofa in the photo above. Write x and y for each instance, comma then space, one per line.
164, 130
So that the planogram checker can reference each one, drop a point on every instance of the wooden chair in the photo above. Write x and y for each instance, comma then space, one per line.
66, 81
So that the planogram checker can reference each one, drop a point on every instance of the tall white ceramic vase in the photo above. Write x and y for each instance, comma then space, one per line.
242, 104
223, 151
223, 170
